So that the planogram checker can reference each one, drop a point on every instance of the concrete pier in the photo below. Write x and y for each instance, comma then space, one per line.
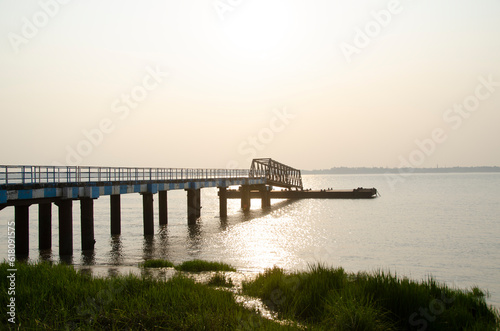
115, 211
25, 185
193, 205
222, 202
358, 193
163, 207
87, 223
265, 196
65, 227
44, 226
245, 197
22, 230
148, 214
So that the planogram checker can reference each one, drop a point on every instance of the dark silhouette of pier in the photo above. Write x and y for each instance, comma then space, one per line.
23, 186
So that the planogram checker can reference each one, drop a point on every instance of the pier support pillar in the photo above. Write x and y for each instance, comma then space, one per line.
163, 207
22, 230
223, 201
148, 214
87, 223
45, 226
265, 197
65, 227
115, 210
245, 197
193, 205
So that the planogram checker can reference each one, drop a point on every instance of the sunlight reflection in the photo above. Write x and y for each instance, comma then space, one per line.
273, 239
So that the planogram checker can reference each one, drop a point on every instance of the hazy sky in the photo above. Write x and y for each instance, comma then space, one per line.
208, 83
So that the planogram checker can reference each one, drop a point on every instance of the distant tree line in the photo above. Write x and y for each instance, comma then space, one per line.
382, 170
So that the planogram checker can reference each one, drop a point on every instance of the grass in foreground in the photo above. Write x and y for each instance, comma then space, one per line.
328, 298
200, 265
55, 297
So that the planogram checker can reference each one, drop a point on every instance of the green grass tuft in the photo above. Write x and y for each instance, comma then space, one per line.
329, 298
200, 265
219, 279
157, 264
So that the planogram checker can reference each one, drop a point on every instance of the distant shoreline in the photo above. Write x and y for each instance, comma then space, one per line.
380, 170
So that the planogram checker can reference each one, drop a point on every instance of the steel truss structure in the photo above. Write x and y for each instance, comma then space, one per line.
276, 173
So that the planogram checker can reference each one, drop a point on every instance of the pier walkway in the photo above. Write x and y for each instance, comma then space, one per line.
23, 186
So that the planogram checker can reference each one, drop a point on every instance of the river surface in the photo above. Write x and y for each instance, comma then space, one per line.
444, 225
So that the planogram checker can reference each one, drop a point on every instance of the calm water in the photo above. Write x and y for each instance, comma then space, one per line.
444, 225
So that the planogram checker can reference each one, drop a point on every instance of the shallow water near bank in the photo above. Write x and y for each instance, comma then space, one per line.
445, 225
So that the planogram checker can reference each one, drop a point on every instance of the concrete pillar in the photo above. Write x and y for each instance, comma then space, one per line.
87, 223
22, 237
198, 203
245, 197
116, 218
45, 226
265, 197
193, 205
223, 201
148, 214
163, 207
65, 227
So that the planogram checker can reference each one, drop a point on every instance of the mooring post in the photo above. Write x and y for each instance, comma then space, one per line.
148, 213
193, 205
223, 201
265, 196
245, 197
44, 226
163, 207
22, 237
65, 227
115, 211
87, 223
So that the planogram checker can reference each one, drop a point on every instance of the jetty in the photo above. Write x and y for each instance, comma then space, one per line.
45, 186
357, 193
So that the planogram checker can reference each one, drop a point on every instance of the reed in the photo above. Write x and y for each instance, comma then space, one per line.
200, 265
56, 297
220, 280
330, 298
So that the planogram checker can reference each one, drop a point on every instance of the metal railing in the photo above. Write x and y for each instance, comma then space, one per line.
10, 175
